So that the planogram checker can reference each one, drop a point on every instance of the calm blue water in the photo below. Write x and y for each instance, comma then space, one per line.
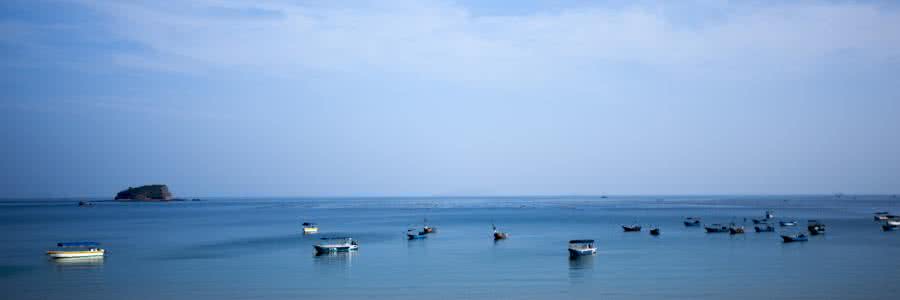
253, 248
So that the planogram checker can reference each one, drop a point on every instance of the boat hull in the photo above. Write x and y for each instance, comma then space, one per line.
791, 239
75, 254
416, 236
330, 249
581, 252
500, 236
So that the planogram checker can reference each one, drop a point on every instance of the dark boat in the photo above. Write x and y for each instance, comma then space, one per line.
413, 234
692, 221
764, 228
581, 248
85, 203
654, 231
499, 235
787, 223
715, 228
800, 237
631, 228
815, 227
428, 229
735, 229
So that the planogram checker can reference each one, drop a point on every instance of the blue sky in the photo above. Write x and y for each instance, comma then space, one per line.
408, 98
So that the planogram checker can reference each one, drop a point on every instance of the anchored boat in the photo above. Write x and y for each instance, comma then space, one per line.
890, 225
764, 228
799, 237
654, 230
310, 228
413, 234
631, 228
692, 221
787, 223
815, 227
336, 244
428, 229
499, 235
77, 249
735, 229
582, 247
715, 228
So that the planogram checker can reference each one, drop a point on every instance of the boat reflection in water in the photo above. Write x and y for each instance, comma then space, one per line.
78, 263
581, 267
334, 262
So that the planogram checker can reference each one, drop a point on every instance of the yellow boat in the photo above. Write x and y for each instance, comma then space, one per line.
77, 249
310, 228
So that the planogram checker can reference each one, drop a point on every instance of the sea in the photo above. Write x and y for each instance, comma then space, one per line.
254, 248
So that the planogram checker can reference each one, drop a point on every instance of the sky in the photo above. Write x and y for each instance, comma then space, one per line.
449, 98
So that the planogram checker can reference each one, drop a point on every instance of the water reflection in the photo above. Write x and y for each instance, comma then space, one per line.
580, 267
78, 263
335, 259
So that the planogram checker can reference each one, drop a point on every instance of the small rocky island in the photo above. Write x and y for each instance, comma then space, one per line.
155, 192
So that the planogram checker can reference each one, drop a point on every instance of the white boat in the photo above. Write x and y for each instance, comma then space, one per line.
893, 222
77, 250
582, 247
338, 244
310, 228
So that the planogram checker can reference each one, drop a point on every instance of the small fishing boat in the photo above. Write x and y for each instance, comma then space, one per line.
413, 234
815, 227
787, 223
336, 244
428, 229
692, 221
799, 237
770, 214
715, 228
735, 229
309, 228
582, 247
499, 235
888, 226
85, 204
764, 228
654, 230
631, 228
77, 250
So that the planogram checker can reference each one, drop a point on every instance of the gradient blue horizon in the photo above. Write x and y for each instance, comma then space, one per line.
442, 98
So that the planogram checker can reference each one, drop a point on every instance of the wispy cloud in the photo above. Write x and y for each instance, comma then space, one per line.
448, 41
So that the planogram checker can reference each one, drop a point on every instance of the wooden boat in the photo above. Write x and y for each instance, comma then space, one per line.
77, 250
413, 234
766, 228
692, 221
309, 228
715, 228
499, 235
815, 227
800, 237
336, 244
631, 228
581, 247
787, 223
428, 229
735, 229
654, 230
